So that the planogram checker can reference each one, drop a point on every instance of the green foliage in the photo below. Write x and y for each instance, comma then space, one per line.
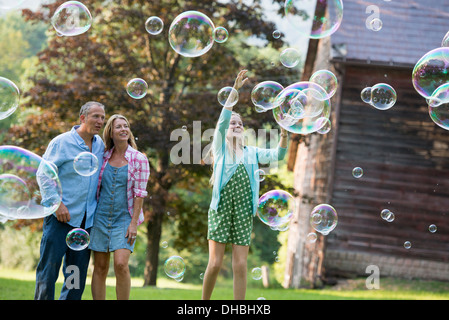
19, 248
97, 66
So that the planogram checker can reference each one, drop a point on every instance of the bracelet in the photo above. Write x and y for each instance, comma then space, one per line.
284, 135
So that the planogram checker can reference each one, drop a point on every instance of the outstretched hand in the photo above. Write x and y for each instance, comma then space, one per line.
240, 80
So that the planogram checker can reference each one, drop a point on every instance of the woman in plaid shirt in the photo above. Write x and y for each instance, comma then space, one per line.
121, 188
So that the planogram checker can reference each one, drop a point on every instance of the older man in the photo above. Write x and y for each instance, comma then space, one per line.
76, 210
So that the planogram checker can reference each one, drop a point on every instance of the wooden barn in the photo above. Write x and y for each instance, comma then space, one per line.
403, 153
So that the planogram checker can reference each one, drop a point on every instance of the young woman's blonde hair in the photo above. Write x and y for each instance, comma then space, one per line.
230, 146
107, 133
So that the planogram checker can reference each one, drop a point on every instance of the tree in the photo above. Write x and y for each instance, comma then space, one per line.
97, 65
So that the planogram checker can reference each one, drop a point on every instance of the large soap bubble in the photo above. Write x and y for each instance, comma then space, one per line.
276, 209
191, 34
9, 97
264, 94
325, 20
431, 71
310, 122
71, 18
29, 186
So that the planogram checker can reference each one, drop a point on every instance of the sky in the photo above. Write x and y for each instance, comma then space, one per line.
291, 36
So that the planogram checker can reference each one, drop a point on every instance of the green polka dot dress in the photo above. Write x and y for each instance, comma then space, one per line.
233, 220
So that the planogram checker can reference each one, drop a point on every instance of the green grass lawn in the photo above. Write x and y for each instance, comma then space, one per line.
19, 285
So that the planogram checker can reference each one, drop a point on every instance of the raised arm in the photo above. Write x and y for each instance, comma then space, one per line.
238, 83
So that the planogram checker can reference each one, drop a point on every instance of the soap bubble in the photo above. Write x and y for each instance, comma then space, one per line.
77, 239
376, 24
445, 41
228, 96
259, 175
221, 34
256, 273
290, 57
85, 164
137, 88
9, 97
264, 94
323, 218
431, 71
191, 34
29, 185
276, 209
290, 104
326, 128
383, 96
306, 124
439, 106
276, 34
154, 25
357, 172
387, 215
366, 95
407, 245
327, 80
175, 267
326, 20
433, 228
71, 18
312, 237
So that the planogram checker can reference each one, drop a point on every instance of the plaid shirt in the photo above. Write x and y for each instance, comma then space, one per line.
138, 174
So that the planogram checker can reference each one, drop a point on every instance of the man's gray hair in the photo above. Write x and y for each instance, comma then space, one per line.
87, 106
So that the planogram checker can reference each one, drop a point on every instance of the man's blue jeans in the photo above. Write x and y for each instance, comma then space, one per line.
53, 249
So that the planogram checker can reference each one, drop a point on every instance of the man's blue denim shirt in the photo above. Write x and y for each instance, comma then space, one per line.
78, 192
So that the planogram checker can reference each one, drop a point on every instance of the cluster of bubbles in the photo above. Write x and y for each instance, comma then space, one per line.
77, 239
430, 78
303, 107
276, 209
29, 185
381, 96
387, 215
175, 268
